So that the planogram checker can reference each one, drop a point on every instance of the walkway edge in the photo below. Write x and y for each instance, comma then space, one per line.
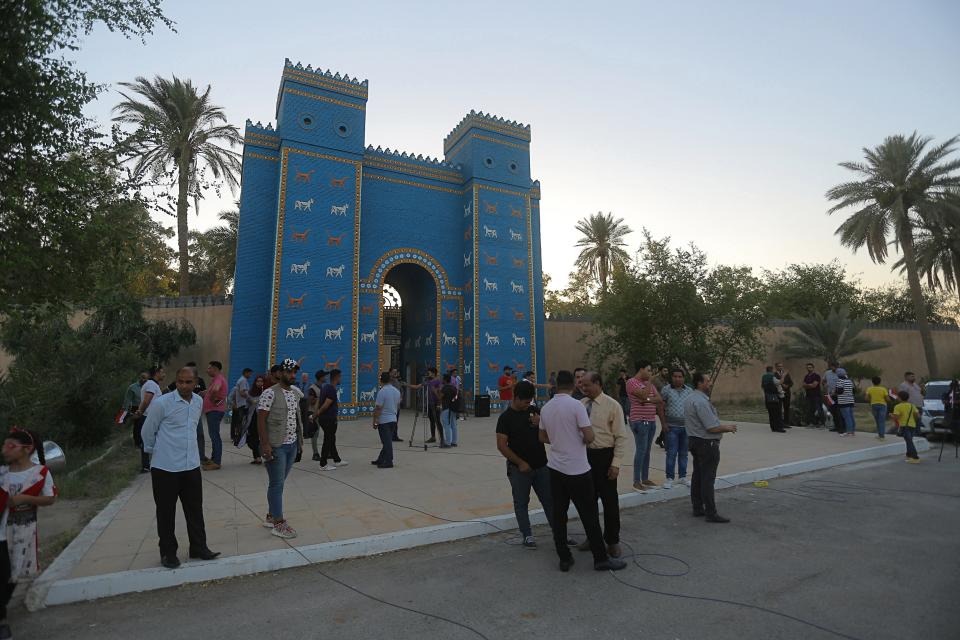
50, 589
63, 564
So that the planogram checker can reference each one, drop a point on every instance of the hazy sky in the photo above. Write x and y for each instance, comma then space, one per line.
717, 123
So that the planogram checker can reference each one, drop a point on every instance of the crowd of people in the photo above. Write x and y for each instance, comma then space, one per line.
274, 413
829, 402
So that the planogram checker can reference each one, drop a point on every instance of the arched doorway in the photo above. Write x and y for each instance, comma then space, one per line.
410, 329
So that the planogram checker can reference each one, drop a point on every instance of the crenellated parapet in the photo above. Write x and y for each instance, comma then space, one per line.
490, 122
325, 79
419, 165
260, 135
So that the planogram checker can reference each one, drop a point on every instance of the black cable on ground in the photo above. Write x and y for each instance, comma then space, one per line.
744, 605
348, 586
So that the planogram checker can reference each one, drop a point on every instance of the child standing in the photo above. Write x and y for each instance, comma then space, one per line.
877, 397
24, 486
905, 415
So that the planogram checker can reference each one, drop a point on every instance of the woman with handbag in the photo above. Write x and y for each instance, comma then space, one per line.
905, 417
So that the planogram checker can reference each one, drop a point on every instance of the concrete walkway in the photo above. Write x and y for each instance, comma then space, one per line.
427, 489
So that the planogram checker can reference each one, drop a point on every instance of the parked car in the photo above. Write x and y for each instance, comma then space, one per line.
931, 419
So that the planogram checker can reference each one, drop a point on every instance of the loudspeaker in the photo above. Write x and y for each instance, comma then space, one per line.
481, 407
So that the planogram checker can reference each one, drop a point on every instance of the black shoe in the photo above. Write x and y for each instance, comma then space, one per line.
316, 457
610, 564
698, 514
384, 466
454, 444
431, 440
375, 462
716, 517
398, 439
170, 562
779, 430
571, 542
206, 554
566, 564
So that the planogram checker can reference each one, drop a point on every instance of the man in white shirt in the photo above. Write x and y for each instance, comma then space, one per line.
385, 420
149, 392
170, 436
565, 426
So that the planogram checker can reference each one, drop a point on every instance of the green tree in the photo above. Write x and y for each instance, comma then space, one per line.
672, 308
895, 304
576, 300
829, 337
804, 289
55, 167
177, 138
602, 243
214, 254
900, 184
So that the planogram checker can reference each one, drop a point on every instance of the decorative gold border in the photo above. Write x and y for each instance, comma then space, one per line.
530, 289
342, 103
423, 172
519, 194
476, 293
357, 178
415, 184
259, 156
340, 86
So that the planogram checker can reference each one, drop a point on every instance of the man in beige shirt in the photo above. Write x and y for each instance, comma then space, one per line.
605, 455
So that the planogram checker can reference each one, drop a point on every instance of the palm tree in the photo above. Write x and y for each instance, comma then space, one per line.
830, 337
938, 253
902, 185
177, 137
602, 244
215, 254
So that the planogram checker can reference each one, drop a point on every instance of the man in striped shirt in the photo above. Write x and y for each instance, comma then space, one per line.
845, 402
645, 405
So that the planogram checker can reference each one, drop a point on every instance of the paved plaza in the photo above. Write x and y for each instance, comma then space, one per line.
854, 550
459, 484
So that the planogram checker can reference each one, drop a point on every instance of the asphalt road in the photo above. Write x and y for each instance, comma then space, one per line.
859, 552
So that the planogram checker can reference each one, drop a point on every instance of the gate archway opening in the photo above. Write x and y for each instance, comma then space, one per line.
410, 321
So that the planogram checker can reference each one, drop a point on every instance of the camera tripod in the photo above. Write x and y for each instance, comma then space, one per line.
422, 408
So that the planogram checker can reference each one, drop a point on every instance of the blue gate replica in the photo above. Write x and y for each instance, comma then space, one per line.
326, 223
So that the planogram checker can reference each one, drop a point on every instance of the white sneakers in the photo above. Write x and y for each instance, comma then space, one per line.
330, 467
342, 463
684, 481
668, 484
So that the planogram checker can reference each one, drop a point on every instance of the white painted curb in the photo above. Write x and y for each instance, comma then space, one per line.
52, 589
70, 557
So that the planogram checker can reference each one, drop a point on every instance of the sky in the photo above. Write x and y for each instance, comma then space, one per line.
714, 123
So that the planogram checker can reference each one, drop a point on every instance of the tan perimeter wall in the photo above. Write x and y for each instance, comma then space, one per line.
565, 350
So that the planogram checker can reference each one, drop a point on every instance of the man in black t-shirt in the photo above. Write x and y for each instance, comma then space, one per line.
518, 440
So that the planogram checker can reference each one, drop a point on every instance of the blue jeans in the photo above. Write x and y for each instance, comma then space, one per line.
277, 471
908, 433
846, 411
449, 421
880, 415
385, 459
676, 439
643, 432
520, 484
213, 430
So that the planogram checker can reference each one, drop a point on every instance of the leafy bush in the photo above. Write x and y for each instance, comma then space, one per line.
67, 383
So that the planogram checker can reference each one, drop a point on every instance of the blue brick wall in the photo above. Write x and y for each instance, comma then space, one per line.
466, 225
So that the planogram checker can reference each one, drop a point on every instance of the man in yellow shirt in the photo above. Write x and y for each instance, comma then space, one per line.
905, 415
877, 397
